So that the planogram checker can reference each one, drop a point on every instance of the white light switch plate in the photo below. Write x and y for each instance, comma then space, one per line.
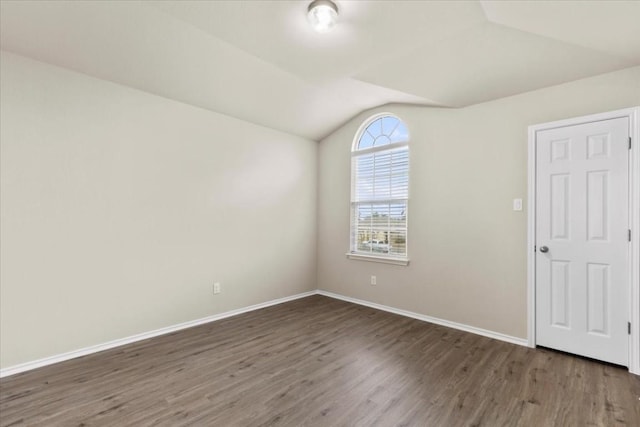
517, 204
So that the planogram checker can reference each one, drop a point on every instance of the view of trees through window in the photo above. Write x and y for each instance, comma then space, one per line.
380, 182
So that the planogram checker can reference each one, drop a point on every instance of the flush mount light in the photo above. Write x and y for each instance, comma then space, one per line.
322, 15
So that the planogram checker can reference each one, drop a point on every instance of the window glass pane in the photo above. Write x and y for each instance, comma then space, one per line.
381, 228
398, 241
366, 141
382, 140
375, 128
389, 124
400, 134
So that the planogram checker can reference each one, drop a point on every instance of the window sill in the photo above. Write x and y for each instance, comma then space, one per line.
378, 258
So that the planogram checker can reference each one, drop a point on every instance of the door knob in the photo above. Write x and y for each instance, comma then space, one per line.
544, 249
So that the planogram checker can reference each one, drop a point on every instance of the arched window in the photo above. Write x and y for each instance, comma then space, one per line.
380, 188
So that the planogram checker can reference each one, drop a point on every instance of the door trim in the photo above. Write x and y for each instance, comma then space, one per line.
633, 114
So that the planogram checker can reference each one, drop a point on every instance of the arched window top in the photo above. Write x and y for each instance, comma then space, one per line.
381, 130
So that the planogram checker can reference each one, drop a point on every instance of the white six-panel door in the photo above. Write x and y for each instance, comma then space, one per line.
582, 209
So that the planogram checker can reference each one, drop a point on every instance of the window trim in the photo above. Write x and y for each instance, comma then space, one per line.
377, 257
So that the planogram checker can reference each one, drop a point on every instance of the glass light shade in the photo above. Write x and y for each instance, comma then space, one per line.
322, 15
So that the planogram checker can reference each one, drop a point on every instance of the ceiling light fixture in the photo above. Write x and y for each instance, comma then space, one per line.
322, 15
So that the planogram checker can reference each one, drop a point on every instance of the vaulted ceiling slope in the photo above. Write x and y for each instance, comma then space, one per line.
259, 60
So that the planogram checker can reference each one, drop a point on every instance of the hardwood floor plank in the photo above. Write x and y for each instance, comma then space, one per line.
322, 362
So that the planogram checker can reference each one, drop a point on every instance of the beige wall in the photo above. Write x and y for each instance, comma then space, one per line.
466, 244
120, 209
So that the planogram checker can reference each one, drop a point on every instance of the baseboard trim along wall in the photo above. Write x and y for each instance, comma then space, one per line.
23, 367
424, 318
12, 370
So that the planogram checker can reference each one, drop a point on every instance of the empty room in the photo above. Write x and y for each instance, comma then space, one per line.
319, 213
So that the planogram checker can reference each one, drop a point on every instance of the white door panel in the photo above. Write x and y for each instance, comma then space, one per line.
582, 218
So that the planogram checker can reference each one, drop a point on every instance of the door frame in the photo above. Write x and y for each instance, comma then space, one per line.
633, 114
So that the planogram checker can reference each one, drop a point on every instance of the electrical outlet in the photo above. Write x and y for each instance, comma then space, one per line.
373, 280
216, 288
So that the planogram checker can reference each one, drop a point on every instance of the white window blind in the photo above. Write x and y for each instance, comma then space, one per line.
380, 189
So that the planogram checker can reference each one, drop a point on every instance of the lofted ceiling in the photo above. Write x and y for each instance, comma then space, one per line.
259, 61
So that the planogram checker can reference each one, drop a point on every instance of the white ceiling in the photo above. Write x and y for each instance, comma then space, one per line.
259, 60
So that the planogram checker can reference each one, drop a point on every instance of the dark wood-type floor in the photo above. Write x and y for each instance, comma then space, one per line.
322, 362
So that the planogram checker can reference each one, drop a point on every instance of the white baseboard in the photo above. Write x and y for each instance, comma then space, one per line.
16, 369
442, 322
23, 367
